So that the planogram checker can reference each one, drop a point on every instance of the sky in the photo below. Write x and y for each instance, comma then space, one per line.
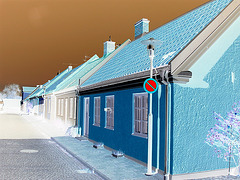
39, 38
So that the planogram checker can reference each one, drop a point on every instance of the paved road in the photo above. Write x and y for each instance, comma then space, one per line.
27, 153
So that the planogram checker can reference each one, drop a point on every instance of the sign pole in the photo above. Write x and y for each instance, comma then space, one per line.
150, 119
150, 85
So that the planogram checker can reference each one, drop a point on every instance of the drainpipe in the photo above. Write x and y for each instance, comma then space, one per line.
158, 127
166, 169
78, 109
44, 103
165, 80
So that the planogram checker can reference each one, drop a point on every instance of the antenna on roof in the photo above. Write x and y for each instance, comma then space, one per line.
85, 58
69, 64
110, 38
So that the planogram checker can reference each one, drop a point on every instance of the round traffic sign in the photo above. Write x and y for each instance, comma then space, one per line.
150, 85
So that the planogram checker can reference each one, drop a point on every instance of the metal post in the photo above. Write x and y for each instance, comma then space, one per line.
150, 119
150, 46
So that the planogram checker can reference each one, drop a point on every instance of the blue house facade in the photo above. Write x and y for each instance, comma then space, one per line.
197, 70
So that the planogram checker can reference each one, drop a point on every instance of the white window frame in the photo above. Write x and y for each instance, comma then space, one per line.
62, 107
71, 110
49, 105
75, 108
97, 111
59, 106
109, 113
140, 114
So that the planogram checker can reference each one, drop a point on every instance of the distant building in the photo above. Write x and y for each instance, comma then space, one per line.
61, 98
26, 91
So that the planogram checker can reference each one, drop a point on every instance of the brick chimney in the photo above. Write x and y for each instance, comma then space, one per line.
141, 28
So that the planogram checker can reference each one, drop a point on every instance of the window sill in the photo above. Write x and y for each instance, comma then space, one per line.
140, 135
97, 125
109, 128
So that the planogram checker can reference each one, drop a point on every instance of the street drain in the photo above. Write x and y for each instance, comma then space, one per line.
29, 151
84, 171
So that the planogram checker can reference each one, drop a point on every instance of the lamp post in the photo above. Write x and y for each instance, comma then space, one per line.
150, 46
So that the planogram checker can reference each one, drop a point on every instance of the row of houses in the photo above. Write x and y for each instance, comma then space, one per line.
197, 68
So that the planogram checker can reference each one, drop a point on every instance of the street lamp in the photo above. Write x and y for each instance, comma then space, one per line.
150, 46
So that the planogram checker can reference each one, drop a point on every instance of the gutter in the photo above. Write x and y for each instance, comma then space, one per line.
124, 79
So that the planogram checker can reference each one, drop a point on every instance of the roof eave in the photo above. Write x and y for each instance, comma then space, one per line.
199, 45
124, 79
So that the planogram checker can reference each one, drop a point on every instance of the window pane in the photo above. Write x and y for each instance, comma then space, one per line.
75, 108
140, 113
110, 111
97, 110
144, 127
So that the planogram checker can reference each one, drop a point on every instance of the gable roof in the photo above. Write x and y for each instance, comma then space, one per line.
40, 90
28, 89
83, 72
73, 78
175, 36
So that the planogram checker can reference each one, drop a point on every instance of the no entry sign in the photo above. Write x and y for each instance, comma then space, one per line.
150, 85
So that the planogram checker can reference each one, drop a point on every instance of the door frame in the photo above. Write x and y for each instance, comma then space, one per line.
86, 120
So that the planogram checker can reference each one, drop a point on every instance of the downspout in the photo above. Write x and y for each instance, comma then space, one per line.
165, 80
166, 175
79, 132
158, 126
168, 132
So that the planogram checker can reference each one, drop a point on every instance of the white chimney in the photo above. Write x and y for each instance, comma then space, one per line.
109, 46
69, 68
141, 28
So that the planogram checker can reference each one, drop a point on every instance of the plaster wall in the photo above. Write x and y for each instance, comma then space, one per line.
65, 117
213, 88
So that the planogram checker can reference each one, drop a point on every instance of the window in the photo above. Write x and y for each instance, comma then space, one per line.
141, 114
97, 102
61, 107
71, 108
75, 108
49, 105
109, 112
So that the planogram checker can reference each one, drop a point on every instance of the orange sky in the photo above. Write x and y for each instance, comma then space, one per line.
39, 37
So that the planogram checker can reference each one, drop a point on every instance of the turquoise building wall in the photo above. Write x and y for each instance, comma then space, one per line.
214, 87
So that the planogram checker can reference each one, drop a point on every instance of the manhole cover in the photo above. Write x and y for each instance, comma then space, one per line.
29, 151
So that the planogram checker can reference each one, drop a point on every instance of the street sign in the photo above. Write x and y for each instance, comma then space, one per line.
150, 85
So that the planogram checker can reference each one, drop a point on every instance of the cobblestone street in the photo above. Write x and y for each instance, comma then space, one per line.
28, 154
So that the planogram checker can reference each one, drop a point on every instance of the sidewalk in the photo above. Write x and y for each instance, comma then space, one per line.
98, 160
102, 162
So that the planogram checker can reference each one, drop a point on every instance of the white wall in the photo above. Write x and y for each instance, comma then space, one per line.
11, 105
